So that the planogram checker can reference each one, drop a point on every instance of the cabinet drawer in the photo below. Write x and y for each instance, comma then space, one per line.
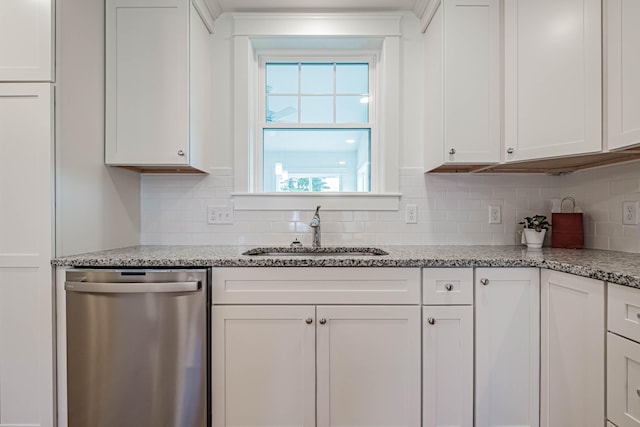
315, 285
623, 381
447, 286
624, 311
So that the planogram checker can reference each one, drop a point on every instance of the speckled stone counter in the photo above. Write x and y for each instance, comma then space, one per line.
617, 267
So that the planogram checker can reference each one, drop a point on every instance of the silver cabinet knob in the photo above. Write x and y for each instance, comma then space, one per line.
309, 321
452, 151
510, 150
431, 321
448, 287
485, 282
180, 153
322, 321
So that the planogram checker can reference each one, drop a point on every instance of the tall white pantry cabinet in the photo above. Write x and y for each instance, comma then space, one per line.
26, 182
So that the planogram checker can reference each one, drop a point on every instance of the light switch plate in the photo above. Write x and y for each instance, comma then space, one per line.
219, 215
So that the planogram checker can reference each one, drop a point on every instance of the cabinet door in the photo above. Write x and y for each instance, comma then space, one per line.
368, 364
472, 82
26, 42
447, 366
263, 366
623, 381
147, 82
26, 330
552, 78
462, 110
572, 350
623, 69
507, 346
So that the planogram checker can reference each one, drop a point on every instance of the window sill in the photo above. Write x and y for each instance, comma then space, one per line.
309, 201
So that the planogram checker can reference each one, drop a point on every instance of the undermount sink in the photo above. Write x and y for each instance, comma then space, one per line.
306, 251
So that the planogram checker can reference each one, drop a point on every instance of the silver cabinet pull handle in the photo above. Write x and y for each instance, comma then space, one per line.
638, 392
484, 281
510, 150
431, 321
323, 321
180, 153
452, 151
448, 287
309, 321
638, 315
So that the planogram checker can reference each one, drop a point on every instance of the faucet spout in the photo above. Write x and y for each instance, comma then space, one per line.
315, 228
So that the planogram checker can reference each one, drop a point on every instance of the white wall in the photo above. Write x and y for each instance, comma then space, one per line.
600, 192
97, 207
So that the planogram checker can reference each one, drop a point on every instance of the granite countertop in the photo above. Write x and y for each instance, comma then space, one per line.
616, 267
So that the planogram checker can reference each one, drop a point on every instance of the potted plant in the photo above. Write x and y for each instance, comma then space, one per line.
535, 227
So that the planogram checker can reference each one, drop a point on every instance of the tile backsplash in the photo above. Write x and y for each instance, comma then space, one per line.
452, 209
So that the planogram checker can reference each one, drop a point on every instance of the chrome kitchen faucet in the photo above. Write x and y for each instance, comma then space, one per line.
315, 228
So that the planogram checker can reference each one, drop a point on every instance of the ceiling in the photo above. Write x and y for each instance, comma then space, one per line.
221, 6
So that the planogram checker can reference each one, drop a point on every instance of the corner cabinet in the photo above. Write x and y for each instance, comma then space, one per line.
462, 85
302, 358
507, 346
622, 83
572, 350
26, 41
159, 78
553, 78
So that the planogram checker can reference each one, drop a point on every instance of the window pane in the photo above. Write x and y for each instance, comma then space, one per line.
316, 160
316, 109
352, 109
282, 78
316, 78
352, 78
282, 109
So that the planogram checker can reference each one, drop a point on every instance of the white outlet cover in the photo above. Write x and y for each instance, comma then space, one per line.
630, 213
495, 214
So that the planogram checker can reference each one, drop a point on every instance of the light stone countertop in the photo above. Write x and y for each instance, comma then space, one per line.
616, 267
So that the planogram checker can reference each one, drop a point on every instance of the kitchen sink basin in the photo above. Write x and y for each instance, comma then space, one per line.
306, 251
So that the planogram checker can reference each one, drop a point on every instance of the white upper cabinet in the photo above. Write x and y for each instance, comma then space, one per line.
623, 73
26, 42
158, 85
553, 83
462, 84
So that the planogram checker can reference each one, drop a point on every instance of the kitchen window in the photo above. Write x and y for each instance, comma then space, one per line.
316, 128
316, 111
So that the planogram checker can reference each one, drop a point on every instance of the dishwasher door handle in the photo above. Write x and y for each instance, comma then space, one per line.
132, 287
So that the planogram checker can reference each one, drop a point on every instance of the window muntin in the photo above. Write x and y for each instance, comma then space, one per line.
317, 134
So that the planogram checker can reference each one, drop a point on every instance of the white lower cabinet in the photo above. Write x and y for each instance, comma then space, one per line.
263, 366
572, 350
623, 356
447, 368
309, 364
507, 346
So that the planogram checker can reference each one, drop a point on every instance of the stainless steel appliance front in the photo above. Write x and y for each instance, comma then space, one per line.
137, 348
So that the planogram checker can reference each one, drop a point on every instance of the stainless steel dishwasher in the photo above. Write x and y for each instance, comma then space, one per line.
137, 348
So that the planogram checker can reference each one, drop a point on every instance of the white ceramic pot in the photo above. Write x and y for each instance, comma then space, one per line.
534, 238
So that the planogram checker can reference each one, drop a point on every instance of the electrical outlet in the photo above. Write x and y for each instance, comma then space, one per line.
219, 215
411, 214
495, 214
630, 213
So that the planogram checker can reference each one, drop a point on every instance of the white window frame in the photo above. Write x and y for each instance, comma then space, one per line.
261, 32
293, 56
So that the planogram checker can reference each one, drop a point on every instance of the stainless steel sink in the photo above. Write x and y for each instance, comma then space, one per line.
305, 251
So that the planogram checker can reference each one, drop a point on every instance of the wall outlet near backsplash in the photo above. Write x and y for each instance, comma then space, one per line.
630, 213
219, 215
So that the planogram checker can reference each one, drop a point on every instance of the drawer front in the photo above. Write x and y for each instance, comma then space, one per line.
623, 381
624, 311
447, 286
315, 285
